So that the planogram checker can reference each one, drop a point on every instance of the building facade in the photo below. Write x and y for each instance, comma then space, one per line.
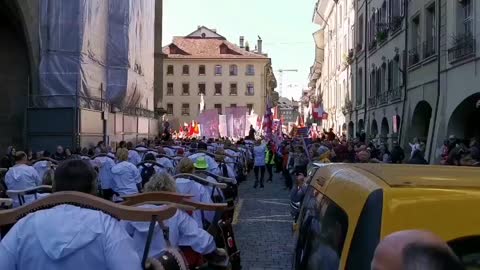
204, 63
27, 117
413, 70
288, 110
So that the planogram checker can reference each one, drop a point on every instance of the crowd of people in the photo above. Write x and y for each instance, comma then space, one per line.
149, 167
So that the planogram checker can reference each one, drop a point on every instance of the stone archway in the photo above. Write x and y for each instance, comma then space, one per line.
351, 129
464, 121
361, 126
384, 130
421, 121
14, 75
374, 129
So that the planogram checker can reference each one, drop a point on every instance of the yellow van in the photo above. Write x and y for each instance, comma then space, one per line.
348, 208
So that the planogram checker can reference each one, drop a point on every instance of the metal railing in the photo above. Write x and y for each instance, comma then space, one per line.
382, 32
464, 46
395, 24
395, 94
372, 101
413, 56
383, 98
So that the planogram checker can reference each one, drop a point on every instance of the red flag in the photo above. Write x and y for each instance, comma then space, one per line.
317, 111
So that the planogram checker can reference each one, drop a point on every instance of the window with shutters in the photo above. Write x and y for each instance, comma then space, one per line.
233, 89
250, 89
169, 89
218, 107
170, 109
202, 89
185, 109
185, 70
185, 89
170, 70
201, 70
218, 89
218, 70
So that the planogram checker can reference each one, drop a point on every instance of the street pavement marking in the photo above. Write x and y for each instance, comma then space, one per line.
271, 216
277, 203
237, 210
266, 220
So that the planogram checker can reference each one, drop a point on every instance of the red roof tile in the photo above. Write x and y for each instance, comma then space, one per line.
184, 47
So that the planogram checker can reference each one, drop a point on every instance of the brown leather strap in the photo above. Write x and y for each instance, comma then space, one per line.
201, 180
83, 200
171, 198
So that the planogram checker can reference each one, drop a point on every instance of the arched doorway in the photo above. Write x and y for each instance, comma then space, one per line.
361, 126
464, 121
350, 130
344, 128
14, 75
421, 121
374, 129
384, 130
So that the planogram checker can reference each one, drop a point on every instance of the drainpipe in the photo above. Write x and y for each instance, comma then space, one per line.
405, 73
432, 152
365, 71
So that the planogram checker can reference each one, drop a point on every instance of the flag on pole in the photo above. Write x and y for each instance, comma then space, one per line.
202, 103
268, 120
317, 111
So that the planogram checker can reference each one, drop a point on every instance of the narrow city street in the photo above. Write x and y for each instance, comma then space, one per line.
263, 226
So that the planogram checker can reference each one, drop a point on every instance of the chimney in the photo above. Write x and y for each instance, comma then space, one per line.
259, 45
242, 40
247, 47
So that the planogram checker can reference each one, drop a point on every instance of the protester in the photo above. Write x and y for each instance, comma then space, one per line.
417, 158
133, 156
414, 250
9, 159
270, 161
67, 236
259, 163
21, 176
105, 175
181, 229
398, 155
187, 186
42, 166
126, 177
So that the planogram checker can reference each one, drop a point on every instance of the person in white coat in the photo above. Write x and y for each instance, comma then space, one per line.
67, 236
42, 166
183, 230
126, 177
21, 176
133, 156
105, 176
200, 192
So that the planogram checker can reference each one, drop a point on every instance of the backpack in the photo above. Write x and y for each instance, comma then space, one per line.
146, 173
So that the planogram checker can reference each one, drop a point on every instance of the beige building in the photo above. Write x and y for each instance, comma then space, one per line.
227, 75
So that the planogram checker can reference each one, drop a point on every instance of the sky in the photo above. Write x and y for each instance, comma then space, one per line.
285, 27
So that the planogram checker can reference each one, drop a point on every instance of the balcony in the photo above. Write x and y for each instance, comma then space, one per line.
395, 94
429, 47
395, 24
372, 101
382, 32
463, 47
383, 98
413, 57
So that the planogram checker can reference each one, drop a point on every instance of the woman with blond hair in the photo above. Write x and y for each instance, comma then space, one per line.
126, 177
183, 230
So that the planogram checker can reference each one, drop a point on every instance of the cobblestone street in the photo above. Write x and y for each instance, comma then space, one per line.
264, 227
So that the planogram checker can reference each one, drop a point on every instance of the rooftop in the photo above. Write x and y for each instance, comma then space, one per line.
205, 43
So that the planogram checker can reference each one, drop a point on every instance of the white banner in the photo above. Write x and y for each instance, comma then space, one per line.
222, 125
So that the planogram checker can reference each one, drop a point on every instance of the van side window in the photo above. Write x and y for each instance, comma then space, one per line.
322, 234
468, 251
367, 233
